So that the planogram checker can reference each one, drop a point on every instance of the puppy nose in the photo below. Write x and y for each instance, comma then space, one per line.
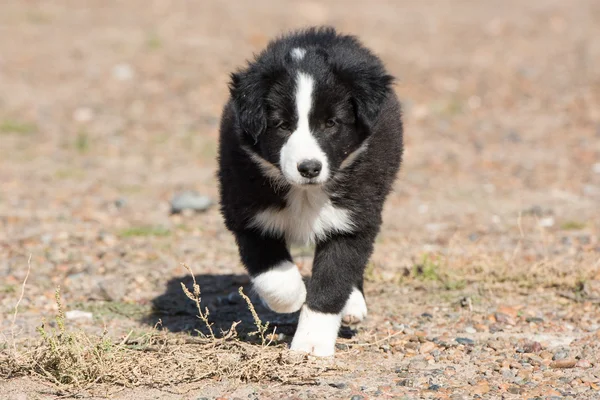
309, 168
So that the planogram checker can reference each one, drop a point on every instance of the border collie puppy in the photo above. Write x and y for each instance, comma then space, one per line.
310, 145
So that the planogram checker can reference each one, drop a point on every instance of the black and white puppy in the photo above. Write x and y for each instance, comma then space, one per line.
310, 145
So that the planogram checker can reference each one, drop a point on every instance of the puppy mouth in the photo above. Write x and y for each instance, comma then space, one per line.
307, 182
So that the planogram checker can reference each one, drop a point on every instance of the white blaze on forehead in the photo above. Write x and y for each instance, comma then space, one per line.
298, 53
302, 145
304, 92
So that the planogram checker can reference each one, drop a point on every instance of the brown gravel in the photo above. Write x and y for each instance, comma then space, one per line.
486, 276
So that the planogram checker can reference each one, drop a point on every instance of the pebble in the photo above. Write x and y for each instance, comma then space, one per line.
189, 200
547, 222
418, 363
339, 385
564, 363
560, 355
123, 72
83, 114
470, 329
583, 364
357, 397
113, 288
120, 202
504, 318
535, 320
465, 341
515, 390
78, 314
532, 347
426, 347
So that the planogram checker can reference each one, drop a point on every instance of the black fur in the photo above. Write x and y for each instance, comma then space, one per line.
353, 93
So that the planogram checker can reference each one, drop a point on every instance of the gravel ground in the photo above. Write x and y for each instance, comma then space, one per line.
485, 282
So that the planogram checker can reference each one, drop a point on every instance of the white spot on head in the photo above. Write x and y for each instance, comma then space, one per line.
298, 53
302, 145
355, 310
316, 333
308, 216
281, 288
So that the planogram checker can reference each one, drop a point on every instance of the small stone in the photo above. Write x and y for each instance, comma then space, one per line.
113, 288
596, 168
470, 329
564, 363
120, 202
357, 397
546, 355
78, 314
465, 341
189, 200
504, 318
515, 390
426, 315
547, 222
83, 114
583, 364
534, 320
340, 385
418, 363
434, 388
426, 347
123, 72
532, 347
233, 298
560, 355
405, 382
481, 388
507, 373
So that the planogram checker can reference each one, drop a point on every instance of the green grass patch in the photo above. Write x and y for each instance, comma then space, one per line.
144, 231
572, 226
153, 41
82, 142
18, 127
8, 289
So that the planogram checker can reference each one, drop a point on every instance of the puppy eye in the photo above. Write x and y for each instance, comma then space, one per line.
284, 126
331, 123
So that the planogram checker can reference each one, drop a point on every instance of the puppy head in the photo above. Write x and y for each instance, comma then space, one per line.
305, 112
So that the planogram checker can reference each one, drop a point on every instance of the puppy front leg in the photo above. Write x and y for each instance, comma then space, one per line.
339, 263
274, 276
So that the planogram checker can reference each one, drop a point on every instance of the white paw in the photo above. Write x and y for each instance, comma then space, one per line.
355, 310
316, 333
281, 288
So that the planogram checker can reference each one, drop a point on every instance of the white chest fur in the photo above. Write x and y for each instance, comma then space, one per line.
308, 216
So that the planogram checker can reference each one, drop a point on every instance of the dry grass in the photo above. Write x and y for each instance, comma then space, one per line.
76, 362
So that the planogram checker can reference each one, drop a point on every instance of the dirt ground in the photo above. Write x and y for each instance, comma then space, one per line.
485, 281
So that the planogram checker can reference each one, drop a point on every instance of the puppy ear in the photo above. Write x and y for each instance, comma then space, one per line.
369, 92
369, 88
247, 92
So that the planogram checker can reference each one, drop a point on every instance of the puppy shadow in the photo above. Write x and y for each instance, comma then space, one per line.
219, 293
